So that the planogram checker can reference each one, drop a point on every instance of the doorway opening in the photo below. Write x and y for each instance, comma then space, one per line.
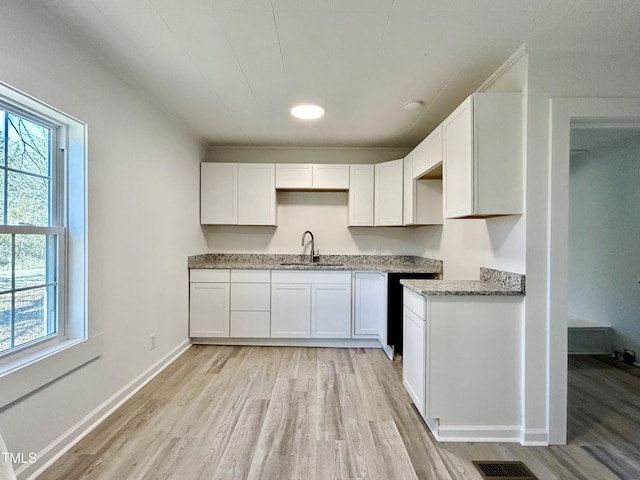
568, 114
602, 289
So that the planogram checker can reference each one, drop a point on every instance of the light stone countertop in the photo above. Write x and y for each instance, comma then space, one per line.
380, 263
492, 282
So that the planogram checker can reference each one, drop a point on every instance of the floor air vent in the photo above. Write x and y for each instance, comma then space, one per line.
504, 470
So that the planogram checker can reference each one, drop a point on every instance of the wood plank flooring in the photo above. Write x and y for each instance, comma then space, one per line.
228, 412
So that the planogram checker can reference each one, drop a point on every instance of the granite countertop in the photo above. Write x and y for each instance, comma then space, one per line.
491, 282
380, 263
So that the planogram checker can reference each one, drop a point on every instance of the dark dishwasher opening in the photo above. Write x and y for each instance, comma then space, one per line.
394, 305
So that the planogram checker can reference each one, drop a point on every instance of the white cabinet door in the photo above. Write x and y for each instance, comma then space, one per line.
331, 310
482, 156
361, 182
370, 305
330, 176
246, 324
294, 175
413, 358
433, 151
418, 156
290, 310
256, 194
209, 310
388, 193
218, 197
408, 210
458, 163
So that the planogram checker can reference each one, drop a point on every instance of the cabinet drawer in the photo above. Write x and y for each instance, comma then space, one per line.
250, 276
250, 296
310, 276
205, 275
414, 302
250, 324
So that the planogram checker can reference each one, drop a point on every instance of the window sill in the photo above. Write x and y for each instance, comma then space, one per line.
29, 373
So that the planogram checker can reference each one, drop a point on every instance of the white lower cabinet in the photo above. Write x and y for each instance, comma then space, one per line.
250, 304
209, 310
370, 305
331, 310
245, 324
414, 335
310, 304
290, 310
461, 364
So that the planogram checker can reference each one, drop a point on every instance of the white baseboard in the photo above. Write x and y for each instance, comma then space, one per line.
389, 351
52, 452
535, 437
478, 433
292, 342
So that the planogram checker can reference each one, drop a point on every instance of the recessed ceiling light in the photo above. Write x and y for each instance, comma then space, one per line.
413, 105
307, 111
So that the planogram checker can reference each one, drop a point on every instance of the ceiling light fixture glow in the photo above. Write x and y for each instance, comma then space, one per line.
307, 111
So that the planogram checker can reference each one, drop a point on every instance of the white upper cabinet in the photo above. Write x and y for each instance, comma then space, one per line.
307, 176
294, 175
361, 182
218, 197
256, 194
237, 194
432, 167
388, 193
407, 190
422, 197
331, 176
482, 156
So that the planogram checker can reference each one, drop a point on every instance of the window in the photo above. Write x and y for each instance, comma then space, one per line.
45, 331
31, 230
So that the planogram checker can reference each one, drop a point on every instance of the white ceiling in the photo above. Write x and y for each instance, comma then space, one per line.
231, 69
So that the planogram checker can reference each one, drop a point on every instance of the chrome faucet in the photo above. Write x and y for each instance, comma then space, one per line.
313, 255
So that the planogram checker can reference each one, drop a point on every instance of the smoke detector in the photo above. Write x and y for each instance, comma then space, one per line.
413, 105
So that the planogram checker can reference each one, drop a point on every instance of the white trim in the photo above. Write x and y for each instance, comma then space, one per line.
67, 440
46, 365
292, 342
31, 230
478, 433
389, 351
562, 112
517, 55
73, 320
535, 437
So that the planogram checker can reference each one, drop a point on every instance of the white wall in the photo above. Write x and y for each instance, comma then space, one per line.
554, 75
143, 221
604, 228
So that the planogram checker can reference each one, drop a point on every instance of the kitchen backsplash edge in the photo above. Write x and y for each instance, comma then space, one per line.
511, 280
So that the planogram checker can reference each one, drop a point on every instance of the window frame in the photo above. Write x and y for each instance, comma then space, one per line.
32, 368
57, 221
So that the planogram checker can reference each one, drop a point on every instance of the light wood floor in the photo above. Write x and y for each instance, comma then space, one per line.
314, 413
